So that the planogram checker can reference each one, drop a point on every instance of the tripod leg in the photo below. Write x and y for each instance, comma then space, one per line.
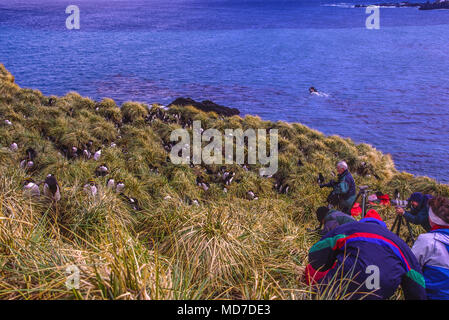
394, 223
410, 231
363, 205
398, 230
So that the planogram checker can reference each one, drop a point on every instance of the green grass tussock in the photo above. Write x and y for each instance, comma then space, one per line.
179, 241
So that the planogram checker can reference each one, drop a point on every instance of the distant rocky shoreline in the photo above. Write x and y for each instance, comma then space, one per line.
421, 6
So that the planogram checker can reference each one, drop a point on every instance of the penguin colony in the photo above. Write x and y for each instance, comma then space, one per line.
205, 174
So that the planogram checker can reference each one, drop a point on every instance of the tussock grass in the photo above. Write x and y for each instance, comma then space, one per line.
224, 247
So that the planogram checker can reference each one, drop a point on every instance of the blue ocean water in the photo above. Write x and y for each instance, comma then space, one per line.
387, 87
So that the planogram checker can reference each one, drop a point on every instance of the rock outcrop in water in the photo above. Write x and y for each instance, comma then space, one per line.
206, 106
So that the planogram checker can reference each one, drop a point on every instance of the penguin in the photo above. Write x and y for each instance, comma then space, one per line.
102, 171
229, 178
31, 154
74, 152
193, 202
320, 179
90, 188
51, 188
201, 183
28, 162
97, 155
7, 122
120, 187
24, 164
225, 190
110, 183
31, 188
14, 146
252, 195
89, 145
86, 154
153, 169
312, 90
132, 201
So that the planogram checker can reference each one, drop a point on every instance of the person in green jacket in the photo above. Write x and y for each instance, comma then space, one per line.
344, 189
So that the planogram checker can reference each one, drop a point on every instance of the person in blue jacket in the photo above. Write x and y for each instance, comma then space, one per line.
344, 190
432, 250
419, 213
365, 260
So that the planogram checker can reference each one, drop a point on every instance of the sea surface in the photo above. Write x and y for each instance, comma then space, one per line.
386, 87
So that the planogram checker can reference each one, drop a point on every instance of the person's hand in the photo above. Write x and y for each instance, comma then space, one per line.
400, 211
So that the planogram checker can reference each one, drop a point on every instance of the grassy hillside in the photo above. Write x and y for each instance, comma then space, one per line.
226, 247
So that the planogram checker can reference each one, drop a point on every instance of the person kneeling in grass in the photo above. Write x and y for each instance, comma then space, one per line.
432, 250
331, 219
364, 260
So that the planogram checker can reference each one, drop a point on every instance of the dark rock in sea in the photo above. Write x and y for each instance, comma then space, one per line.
206, 106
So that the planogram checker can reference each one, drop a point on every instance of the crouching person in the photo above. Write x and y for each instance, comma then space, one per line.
432, 250
331, 219
344, 190
364, 260
419, 213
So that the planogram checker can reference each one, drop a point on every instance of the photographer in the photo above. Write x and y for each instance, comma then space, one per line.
419, 213
344, 190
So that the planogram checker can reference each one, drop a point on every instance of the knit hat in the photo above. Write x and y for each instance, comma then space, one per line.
373, 214
321, 213
356, 210
417, 196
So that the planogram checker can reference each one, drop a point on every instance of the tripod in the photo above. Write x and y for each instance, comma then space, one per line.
398, 222
363, 193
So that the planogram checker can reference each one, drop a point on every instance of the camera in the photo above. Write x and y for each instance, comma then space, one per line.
400, 203
364, 189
